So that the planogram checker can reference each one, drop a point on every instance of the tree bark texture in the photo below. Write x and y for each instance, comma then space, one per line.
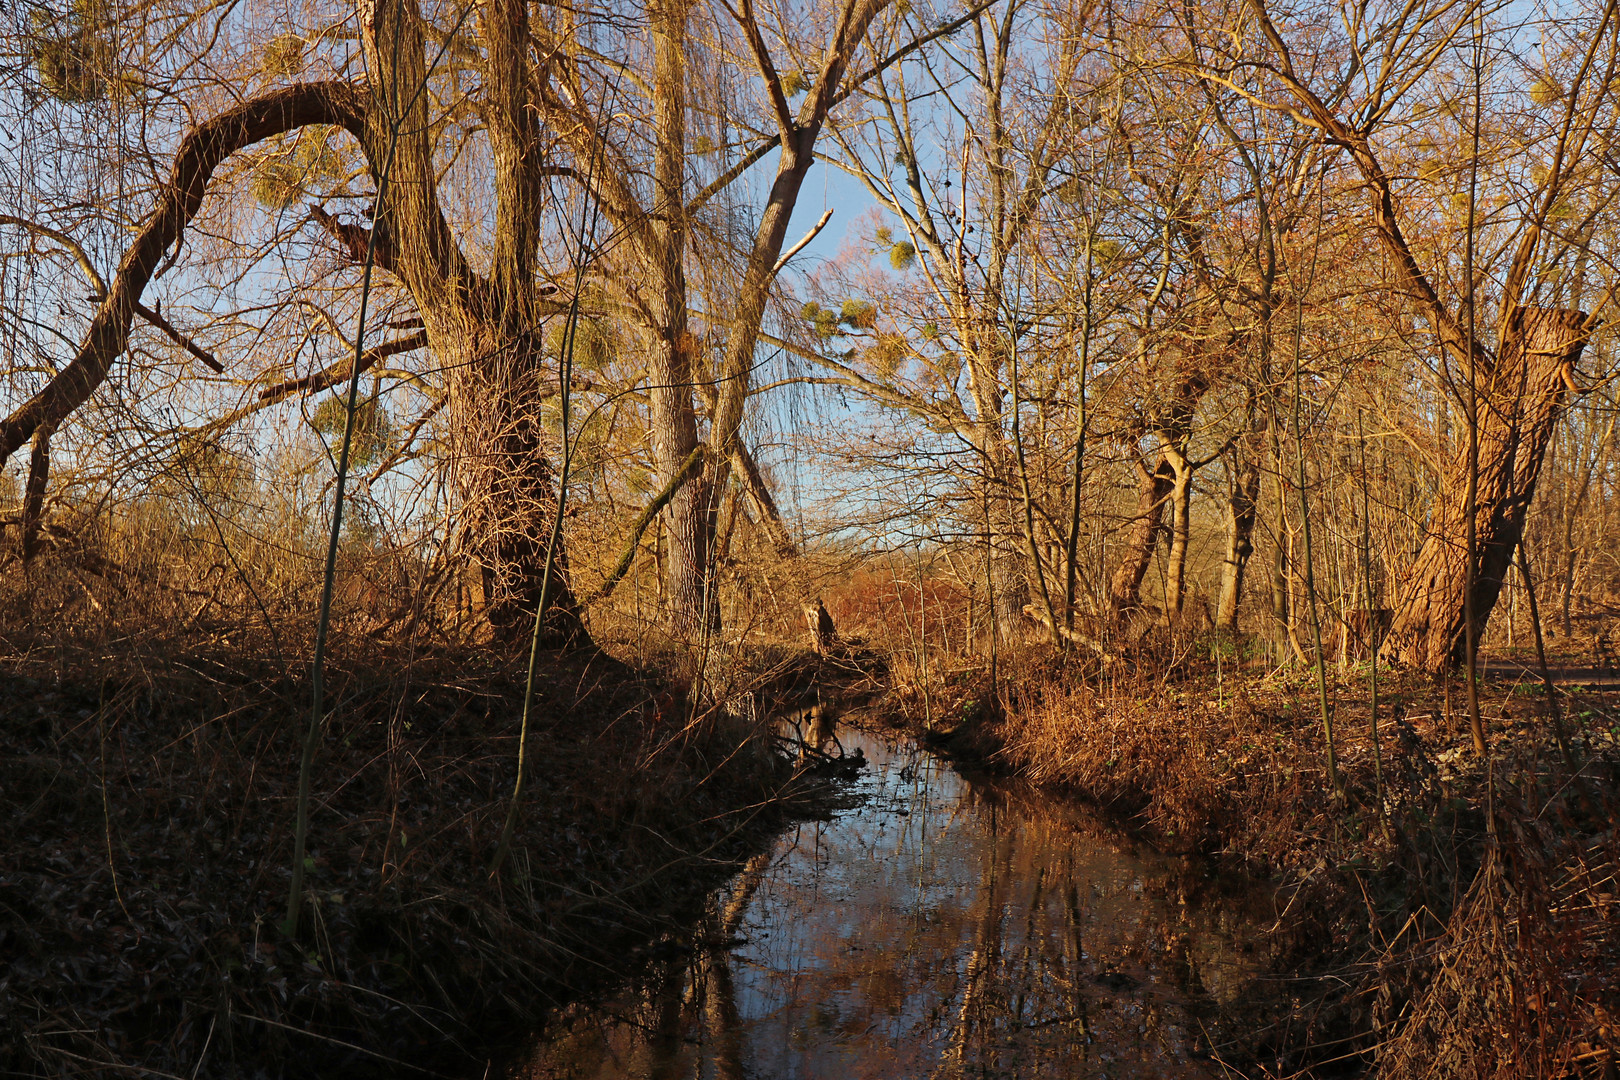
1520, 402
485, 330
1152, 493
693, 607
1243, 506
1175, 429
506, 485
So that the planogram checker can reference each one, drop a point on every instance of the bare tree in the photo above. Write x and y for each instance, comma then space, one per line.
491, 94
1521, 383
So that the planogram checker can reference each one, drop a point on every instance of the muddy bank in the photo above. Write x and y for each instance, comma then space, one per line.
147, 812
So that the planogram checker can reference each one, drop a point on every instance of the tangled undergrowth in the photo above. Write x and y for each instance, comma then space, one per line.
1447, 915
147, 809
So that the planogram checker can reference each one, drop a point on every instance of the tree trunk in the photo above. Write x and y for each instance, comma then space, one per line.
200, 153
1281, 608
39, 469
1008, 557
1175, 585
485, 331
507, 487
1152, 492
1520, 403
1012, 586
1243, 506
690, 517
1175, 429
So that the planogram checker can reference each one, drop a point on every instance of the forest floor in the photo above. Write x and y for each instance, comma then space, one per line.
1447, 909
147, 809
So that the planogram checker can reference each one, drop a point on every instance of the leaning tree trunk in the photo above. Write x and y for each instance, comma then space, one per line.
1125, 588
39, 469
1519, 405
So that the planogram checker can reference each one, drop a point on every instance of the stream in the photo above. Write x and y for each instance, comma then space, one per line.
941, 925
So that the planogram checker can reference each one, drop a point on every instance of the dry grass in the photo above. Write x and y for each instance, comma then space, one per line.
154, 689
1392, 972
1521, 981
149, 736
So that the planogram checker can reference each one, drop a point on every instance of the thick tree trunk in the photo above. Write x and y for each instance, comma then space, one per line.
485, 332
1519, 405
1012, 586
506, 484
1125, 588
690, 517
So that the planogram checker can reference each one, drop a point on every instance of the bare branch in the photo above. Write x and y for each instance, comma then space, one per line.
98, 287
178, 338
201, 152
802, 244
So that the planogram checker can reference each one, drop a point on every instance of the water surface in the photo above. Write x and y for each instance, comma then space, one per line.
940, 927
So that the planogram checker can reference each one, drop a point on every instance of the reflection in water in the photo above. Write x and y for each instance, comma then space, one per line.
942, 928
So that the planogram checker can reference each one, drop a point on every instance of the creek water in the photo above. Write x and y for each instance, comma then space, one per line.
943, 926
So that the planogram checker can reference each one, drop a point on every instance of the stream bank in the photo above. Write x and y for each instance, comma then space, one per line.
1422, 907
145, 874
146, 802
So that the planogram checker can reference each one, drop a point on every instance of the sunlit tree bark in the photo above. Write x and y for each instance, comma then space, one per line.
1521, 382
1520, 405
